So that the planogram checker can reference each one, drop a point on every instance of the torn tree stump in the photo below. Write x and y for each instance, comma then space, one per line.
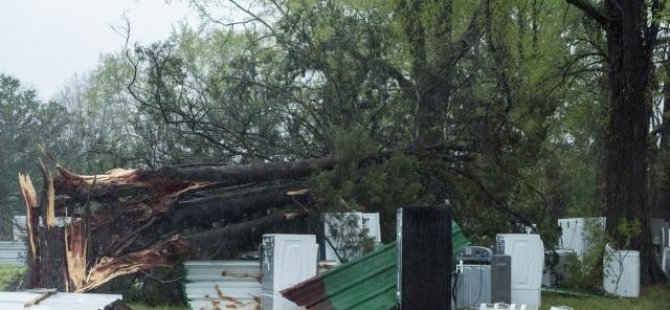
128, 220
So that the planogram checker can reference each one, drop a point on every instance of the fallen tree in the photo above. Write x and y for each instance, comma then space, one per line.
128, 220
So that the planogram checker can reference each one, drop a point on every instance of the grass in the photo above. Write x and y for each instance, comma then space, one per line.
652, 298
138, 306
10, 276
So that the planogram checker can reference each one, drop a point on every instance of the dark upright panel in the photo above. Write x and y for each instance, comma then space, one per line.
501, 278
424, 258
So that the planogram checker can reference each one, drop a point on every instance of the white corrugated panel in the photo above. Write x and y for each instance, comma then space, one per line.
12, 253
58, 301
223, 284
576, 234
19, 227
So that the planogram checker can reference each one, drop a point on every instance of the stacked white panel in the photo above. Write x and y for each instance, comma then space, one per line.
12, 253
20, 230
658, 227
371, 224
213, 285
286, 260
665, 264
576, 234
19, 227
527, 253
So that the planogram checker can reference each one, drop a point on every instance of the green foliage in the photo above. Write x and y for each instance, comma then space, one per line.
155, 287
516, 102
10, 277
345, 237
376, 188
587, 274
26, 125
627, 230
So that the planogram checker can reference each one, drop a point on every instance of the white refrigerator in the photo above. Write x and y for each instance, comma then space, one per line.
286, 260
527, 253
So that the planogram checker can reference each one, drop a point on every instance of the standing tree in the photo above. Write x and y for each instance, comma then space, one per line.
631, 28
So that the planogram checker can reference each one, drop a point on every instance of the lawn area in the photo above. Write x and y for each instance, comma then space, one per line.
136, 306
652, 298
10, 276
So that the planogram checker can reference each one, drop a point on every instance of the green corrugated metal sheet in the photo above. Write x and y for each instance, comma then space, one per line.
355, 285
458, 240
366, 283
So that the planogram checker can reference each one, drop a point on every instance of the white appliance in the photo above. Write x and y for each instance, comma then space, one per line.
665, 264
665, 237
527, 253
665, 251
577, 236
473, 286
343, 231
286, 260
504, 306
659, 235
473, 276
621, 272
371, 223
659, 228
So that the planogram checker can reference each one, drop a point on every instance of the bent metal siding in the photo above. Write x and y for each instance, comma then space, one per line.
366, 283
223, 285
12, 253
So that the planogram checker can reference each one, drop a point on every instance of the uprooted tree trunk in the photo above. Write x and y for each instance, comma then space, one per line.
125, 221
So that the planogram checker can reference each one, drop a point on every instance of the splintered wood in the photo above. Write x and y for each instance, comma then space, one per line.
30, 199
97, 227
112, 229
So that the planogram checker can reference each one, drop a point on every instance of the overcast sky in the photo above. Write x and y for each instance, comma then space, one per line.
44, 43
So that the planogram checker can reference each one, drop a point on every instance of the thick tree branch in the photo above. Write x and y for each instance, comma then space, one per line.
203, 212
469, 38
236, 231
591, 11
241, 174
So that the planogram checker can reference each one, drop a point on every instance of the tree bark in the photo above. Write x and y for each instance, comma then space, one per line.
662, 156
225, 176
630, 44
203, 212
